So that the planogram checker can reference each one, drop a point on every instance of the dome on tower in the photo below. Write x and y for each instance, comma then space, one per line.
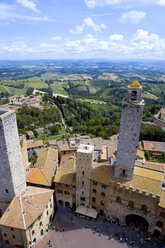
135, 84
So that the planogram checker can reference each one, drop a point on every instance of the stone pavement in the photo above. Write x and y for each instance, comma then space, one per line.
80, 232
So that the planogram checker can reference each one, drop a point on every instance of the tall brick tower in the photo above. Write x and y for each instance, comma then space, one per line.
12, 177
132, 110
83, 173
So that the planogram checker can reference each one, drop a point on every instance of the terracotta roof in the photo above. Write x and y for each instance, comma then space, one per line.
151, 165
65, 177
66, 173
26, 208
68, 162
34, 143
45, 167
143, 179
38, 176
153, 146
99, 143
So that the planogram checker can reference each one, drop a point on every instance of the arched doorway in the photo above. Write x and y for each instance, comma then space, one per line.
137, 222
156, 233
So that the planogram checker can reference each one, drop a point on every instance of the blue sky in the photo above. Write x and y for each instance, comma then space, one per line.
80, 29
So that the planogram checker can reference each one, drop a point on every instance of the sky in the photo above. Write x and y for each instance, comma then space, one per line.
82, 29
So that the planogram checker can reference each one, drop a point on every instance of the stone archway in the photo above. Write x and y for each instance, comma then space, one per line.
137, 222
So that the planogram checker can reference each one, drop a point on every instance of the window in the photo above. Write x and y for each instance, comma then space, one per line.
93, 199
102, 203
13, 236
5, 234
82, 198
133, 95
83, 173
82, 184
118, 199
12, 229
47, 212
94, 191
41, 223
103, 186
50, 205
34, 240
74, 186
7, 191
33, 232
123, 172
7, 242
102, 193
94, 183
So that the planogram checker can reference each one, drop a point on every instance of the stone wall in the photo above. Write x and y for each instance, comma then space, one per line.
130, 125
12, 175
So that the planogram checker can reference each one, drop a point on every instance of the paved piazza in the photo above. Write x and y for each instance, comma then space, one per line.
75, 232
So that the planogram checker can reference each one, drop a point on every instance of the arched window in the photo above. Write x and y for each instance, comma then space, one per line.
159, 224
118, 199
133, 95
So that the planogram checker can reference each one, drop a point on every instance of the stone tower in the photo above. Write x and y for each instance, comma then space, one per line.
83, 174
12, 177
132, 110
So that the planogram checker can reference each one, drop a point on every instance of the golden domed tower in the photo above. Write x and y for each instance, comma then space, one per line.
130, 124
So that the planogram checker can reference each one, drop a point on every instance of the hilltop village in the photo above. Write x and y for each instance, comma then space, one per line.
93, 176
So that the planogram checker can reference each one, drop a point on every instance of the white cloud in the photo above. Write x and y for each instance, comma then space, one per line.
116, 37
8, 12
88, 23
57, 38
28, 4
15, 47
123, 3
141, 44
132, 17
144, 35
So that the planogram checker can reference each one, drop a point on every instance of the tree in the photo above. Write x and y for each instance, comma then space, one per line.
29, 91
